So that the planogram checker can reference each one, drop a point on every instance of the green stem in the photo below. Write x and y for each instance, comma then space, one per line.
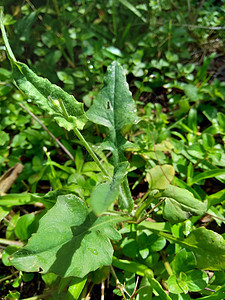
143, 206
56, 8
10, 242
70, 62
152, 195
84, 142
145, 217
130, 266
91, 152
141, 270
4, 35
167, 264
118, 284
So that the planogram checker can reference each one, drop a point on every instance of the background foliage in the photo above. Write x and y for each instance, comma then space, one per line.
173, 56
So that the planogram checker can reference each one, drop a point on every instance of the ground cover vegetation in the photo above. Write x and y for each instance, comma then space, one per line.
112, 149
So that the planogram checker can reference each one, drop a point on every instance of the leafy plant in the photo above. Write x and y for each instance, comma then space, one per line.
92, 221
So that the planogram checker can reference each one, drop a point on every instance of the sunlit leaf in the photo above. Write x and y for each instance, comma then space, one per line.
114, 108
208, 247
41, 90
160, 177
69, 233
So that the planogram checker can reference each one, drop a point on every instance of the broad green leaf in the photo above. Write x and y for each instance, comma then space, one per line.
129, 247
158, 288
70, 241
9, 250
183, 261
173, 285
75, 288
180, 296
180, 205
49, 278
180, 183
13, 295
160, 177
197, 280
106, 193
4, 138
114, 108
207, 246
196, 150
154, 226
221, 120
182, 282
207, 174
100, 275
115, 51
41, 90
208, 141
192, 92
152, 241
25, 226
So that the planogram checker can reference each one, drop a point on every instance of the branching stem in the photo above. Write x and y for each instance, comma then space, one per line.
146, 216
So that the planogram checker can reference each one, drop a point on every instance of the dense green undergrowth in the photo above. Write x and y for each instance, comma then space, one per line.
118, 187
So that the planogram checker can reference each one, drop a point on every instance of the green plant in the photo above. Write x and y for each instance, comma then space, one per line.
177, 141
73, 236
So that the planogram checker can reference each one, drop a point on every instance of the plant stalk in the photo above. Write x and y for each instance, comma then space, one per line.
10, 242
145, 217
91, 152
84, 142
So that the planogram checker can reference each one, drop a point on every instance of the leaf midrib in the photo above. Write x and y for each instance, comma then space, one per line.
93, 228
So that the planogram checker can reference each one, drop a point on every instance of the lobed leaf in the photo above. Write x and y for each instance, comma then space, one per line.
69, 233
114, 108
40, 89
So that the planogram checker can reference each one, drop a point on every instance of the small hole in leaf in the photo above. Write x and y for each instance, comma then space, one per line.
108, 105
